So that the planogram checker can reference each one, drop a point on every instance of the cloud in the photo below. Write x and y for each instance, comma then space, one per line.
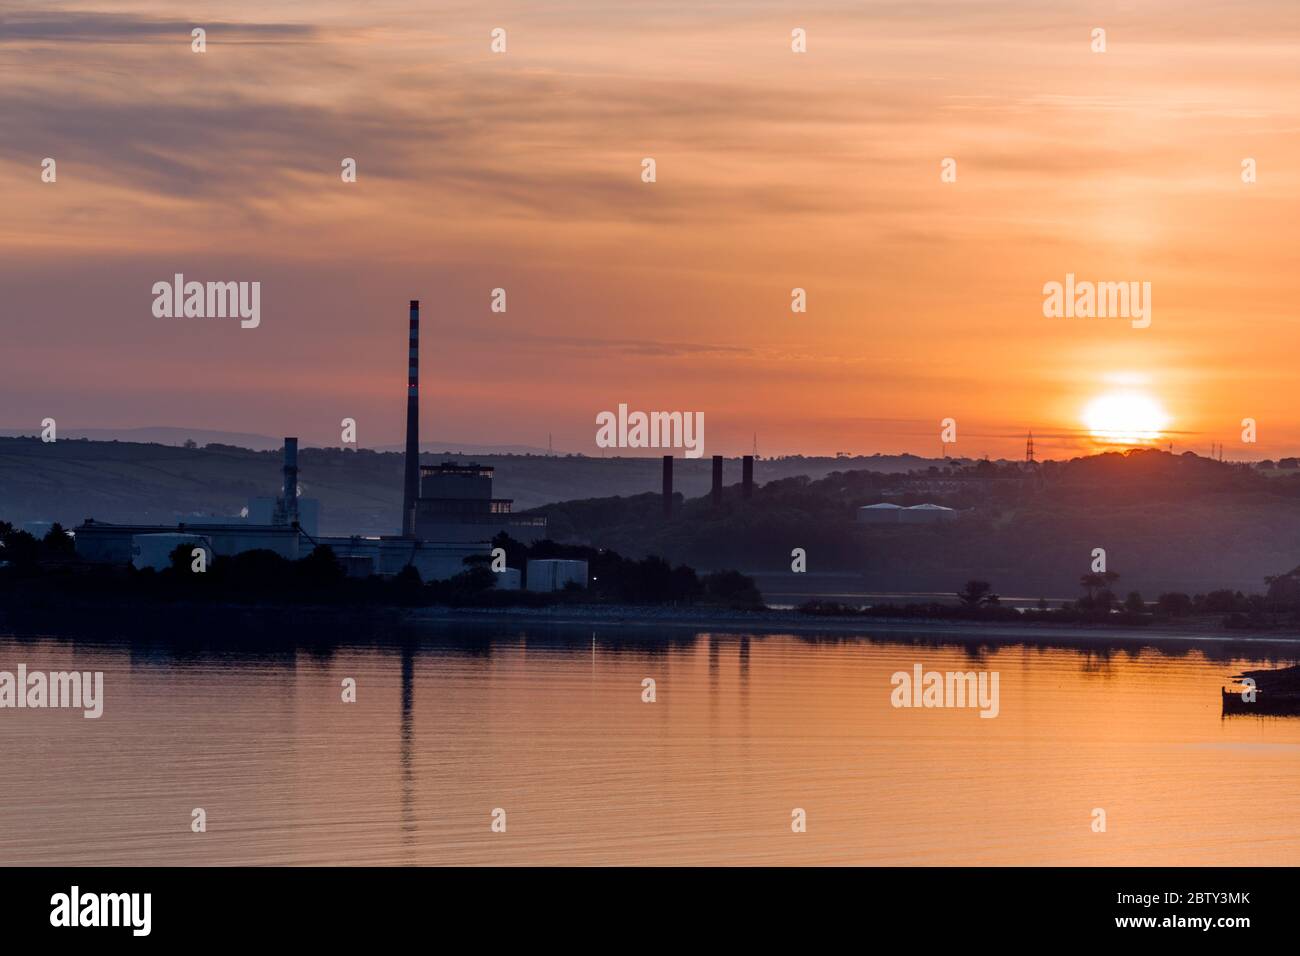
92, 27
639, 347
775, 171
529, 145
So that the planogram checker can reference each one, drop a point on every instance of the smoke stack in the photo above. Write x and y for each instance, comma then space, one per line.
291, 480
747, 476
668, 486
717, 480
411, 489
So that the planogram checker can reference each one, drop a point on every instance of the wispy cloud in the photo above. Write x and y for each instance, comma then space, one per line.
774, 171
81, 26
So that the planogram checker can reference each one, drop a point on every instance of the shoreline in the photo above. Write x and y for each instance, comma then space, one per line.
788, 622
265, 624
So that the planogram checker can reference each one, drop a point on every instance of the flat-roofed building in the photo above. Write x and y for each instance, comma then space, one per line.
108, 543
456, 504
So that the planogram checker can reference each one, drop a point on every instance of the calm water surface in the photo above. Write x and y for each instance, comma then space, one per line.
550, 726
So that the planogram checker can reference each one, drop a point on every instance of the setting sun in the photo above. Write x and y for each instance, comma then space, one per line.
1125, 418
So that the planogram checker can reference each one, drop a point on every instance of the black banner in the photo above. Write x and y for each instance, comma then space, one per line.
149, 906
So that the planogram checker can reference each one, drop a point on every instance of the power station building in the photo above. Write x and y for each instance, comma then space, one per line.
129, 543
448, 515
456, 504
122, 543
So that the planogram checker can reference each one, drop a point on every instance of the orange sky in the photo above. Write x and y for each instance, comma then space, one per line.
775, 170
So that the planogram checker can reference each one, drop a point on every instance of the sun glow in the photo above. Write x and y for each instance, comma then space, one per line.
1125, 418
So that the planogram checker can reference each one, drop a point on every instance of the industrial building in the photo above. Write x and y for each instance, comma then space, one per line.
155, 550
105, 543
456, 504
261, 510
448, 515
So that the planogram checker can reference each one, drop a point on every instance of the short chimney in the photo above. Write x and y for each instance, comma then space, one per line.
668, 486
291, 480
747, 476
717, 480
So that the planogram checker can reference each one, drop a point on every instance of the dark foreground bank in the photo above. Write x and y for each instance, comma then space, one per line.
797, 622
267, 626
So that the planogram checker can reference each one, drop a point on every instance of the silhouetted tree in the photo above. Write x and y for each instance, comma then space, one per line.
20, 549
732, 588
977, 594
1284, 589
1224, 601
1094, 580
57, 543
321, 569
180, 558
1174, 604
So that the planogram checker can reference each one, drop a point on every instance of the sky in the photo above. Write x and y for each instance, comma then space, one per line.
774, 170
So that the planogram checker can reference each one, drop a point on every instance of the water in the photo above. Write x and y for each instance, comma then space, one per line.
552, 729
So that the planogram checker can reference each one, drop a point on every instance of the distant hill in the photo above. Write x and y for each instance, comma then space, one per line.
170, 435
1167, 523
461, 448
72, 479
158, 435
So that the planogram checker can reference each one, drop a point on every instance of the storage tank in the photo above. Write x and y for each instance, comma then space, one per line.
883, 513
508, 580
925, 514
554, 574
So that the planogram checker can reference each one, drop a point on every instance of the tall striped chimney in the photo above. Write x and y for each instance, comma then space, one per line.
412, 485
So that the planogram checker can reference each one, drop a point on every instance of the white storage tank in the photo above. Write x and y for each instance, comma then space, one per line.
554, 574
883, 513
508, 580
925, 514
